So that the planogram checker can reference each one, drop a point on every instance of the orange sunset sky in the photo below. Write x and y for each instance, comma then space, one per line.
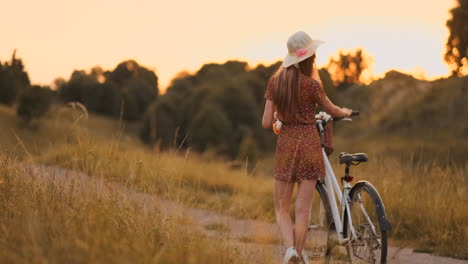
54, 37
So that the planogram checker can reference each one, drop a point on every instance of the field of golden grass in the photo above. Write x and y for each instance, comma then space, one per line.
62, 126
45, 222
424, 200
183, 177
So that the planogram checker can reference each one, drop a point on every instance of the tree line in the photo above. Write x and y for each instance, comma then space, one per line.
15, 87
124, 92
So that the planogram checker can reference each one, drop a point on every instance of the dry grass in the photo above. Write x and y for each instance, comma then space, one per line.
45, 222
218, 227
62, 126
424, 200
183, 177
261, 239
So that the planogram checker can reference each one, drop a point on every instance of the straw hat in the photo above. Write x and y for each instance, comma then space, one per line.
300, 47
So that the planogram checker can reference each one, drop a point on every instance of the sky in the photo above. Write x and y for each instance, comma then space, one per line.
55, 37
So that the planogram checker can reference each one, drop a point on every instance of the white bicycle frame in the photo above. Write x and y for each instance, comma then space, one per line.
334, 192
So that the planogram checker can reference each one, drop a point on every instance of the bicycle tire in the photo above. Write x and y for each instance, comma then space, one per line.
366, 194
321, 227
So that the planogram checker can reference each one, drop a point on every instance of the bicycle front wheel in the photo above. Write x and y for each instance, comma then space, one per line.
370, 225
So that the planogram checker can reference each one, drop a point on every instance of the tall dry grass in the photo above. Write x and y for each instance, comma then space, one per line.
425, 203
424, 200
185, 177
62, 126
49, 221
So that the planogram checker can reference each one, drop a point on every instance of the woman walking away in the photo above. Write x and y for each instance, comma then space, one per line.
292, 95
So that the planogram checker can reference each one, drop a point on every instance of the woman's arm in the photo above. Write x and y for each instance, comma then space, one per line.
267, 120
329, 107
334, 110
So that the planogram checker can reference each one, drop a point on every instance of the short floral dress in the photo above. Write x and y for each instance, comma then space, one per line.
298, 149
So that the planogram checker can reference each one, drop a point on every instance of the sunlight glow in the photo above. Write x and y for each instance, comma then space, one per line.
55, 37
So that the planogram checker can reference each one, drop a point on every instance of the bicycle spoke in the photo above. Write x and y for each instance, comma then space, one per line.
364, 212
366, 247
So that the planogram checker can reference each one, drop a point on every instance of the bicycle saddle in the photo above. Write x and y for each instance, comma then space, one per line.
347, 158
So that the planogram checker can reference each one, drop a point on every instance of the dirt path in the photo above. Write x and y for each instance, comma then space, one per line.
241, 232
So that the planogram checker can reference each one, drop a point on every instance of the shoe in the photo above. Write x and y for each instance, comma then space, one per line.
291, 256
304, 257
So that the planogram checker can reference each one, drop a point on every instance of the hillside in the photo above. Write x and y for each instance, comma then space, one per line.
401, 102
404, 115
62, 126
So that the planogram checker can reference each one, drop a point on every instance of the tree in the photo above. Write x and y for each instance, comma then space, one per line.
161, 122
457, 44
13, 80
129, 106
34, 103
129, 88
218, 108
328, 84
349, 68
78, 87
210, 128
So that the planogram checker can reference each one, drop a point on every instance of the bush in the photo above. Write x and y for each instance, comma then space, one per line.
34, 102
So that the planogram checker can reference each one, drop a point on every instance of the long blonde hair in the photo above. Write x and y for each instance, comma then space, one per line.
286, 88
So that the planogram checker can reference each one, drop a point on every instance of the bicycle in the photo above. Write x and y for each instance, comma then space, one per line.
362, 225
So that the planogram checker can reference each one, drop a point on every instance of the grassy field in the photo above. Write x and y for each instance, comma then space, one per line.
45, 222
62, 126
424, 199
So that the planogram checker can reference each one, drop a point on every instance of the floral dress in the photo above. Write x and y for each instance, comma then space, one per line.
298, 149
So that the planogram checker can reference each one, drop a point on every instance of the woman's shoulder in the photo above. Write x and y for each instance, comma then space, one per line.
272, 82
272, 79
310, 81
269, 91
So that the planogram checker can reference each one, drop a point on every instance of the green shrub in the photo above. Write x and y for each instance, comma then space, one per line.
34, 102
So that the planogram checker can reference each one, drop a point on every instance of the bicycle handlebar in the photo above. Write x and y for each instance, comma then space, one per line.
353, 113
324, 120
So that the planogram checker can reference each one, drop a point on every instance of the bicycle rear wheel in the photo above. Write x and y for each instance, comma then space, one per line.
370, 224
319, 241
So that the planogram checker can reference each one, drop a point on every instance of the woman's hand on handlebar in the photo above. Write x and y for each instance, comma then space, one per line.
346, 111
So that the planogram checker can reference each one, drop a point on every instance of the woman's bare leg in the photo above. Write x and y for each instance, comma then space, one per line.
282, 197
303, 205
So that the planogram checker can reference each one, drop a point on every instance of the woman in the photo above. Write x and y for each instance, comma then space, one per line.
293, 92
